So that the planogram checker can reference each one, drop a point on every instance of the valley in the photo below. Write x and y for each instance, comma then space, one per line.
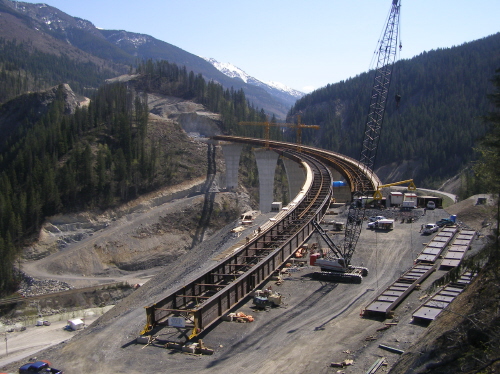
318, 322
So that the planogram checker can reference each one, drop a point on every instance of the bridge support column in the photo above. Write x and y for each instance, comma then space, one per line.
266, 164
295, 175
232, 153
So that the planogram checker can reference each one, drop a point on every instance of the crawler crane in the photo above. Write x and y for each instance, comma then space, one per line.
336, 266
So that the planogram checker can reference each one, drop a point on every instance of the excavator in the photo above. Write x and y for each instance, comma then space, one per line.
336, 265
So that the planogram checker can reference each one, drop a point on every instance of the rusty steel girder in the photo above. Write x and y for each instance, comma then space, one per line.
207, 298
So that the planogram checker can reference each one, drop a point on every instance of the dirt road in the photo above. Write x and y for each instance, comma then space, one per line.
20, 345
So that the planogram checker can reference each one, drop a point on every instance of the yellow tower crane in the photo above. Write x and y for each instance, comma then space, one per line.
267, 125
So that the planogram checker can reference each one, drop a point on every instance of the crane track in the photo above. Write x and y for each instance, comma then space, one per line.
211, 295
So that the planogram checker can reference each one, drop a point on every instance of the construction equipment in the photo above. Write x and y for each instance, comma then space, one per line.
378, 194
266, 298
298, 126
337, 266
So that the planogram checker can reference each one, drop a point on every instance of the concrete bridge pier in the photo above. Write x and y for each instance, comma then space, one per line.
266, 165
232, 153
296, 177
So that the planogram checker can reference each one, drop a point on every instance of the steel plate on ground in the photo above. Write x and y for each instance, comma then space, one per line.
454, 255
450, 263
436, 244
378, 306
448, 293
445, 234
427, 313
468, 232
461, 242
427, 258
392, 293
436, 304
441, 239
389, 299
431, 251
447, 299
458, 248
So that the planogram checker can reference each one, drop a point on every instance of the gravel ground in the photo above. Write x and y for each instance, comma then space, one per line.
319, 322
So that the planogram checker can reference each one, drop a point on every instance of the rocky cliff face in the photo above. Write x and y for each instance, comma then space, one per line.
15, 113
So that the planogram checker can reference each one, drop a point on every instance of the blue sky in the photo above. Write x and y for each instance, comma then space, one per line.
302, 44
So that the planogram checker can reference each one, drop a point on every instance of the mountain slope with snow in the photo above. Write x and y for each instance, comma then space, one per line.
275, 88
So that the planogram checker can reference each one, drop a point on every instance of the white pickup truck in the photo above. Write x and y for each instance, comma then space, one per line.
430, 228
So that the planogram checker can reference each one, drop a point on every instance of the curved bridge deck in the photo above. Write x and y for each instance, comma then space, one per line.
213, 294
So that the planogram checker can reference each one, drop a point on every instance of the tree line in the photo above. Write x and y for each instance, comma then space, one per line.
436, 123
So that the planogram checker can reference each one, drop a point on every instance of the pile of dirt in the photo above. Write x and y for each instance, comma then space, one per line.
477, 212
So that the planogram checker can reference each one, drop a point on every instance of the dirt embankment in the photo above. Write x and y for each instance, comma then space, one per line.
139, 240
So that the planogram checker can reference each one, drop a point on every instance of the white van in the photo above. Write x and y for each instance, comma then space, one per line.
431, 205
409, 204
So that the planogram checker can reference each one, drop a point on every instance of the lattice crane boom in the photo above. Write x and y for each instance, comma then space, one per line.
386, 55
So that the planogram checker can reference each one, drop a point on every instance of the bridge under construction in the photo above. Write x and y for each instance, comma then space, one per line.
203, 301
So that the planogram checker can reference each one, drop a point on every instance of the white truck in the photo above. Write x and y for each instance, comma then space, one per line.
430, 228
409, 204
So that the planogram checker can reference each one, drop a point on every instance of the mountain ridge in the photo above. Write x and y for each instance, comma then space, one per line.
54, 31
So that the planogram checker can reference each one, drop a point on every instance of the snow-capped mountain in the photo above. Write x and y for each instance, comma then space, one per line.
235, 72
52, 31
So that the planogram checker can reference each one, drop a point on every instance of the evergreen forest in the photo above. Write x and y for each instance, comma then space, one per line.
436, 123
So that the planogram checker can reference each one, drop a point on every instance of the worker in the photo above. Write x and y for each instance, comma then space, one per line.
398, 99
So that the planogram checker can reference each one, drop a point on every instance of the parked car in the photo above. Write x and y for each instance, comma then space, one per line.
382, 224
38, 367
430, 228
445, 222
376, 218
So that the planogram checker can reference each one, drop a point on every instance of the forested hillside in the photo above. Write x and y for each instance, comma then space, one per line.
49, 31
99, 156
24, 69
443, 95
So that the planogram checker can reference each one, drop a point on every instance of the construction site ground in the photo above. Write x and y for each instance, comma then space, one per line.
317, 324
